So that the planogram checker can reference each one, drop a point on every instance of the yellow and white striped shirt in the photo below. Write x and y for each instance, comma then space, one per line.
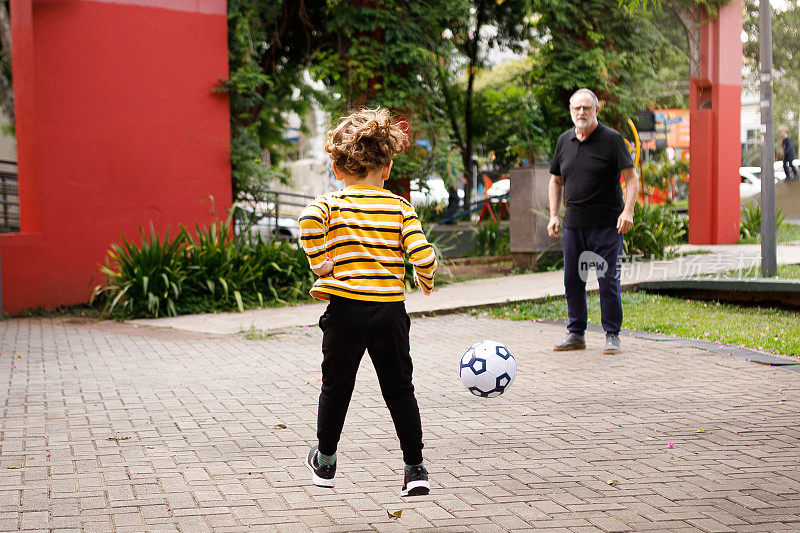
365, 230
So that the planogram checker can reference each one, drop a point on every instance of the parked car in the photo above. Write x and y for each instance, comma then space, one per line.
264, 225
750, 177
750, 183
499, 188
433, 190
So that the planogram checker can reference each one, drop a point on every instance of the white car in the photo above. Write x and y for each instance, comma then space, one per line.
499, 188
750, 183
432, 191
287, 228
750, 178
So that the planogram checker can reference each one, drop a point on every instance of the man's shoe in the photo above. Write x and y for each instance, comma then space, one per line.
572, 341
415, 482
612, 344
322, 476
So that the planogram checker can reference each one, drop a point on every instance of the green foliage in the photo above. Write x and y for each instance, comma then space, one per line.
666, 175
211, 271
269, 48
492, 238
429, 212
786, 64
750, 226
148, 278
388, 54
592, 44
506, 118
655, 234
683, 232
213, 268
711, 6
511, 29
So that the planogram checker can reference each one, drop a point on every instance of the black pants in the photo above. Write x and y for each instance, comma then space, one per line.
597, 248
789, 169
349, 328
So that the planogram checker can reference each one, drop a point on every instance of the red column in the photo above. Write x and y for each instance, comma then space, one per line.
714, 110
117, 126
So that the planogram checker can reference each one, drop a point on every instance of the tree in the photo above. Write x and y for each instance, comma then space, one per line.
382, 53
592, 44
489, 24
270, 46
786, 67
506, 118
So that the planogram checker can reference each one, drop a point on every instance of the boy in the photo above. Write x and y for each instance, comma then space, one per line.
355, 240
790, 171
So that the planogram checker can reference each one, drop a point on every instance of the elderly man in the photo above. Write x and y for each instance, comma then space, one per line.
586, 167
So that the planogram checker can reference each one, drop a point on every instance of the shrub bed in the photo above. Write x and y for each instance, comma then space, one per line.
212, 270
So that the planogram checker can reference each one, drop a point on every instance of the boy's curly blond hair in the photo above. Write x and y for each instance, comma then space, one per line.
365, 140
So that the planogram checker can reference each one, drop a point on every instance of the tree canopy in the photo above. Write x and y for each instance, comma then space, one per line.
786, 64
430, 61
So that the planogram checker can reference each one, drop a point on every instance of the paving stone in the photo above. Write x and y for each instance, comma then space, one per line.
208, 450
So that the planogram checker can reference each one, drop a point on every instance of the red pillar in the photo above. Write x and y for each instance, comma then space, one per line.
715, 145
117, 126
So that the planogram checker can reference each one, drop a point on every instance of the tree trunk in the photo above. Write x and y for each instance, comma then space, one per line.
466, 156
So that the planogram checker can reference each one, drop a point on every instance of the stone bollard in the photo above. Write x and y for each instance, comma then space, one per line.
528, 197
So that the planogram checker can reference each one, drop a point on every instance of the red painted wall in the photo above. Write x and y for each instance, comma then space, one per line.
117, 126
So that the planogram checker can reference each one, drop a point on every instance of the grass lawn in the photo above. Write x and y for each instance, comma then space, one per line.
789, 232
768, 329
784, 272
786, 233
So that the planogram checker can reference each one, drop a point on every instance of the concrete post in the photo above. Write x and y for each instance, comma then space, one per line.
529, 215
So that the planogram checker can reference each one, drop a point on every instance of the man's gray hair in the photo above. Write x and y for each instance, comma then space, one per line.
585, 91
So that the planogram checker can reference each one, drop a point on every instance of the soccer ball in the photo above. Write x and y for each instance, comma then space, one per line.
487, 368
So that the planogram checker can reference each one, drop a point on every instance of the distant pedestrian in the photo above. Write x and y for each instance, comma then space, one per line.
789, 170
586, 166
355, 240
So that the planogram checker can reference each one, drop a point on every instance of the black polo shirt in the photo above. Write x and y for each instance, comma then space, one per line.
590, 172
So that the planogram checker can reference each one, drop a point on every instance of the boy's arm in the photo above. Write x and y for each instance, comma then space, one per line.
313, 227
419, 250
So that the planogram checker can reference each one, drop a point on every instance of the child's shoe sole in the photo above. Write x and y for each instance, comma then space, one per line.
317, 480
416, 488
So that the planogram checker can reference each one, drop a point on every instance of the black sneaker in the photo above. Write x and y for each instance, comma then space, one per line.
415, 482
322, 476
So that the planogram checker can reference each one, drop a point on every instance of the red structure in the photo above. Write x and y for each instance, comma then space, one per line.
117, 126
715, 106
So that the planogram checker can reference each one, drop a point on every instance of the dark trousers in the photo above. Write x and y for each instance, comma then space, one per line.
350, 327
601, 246
789, 169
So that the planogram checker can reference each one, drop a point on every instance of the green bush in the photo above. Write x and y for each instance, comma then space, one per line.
148, 279
441, 243
667, 176
750, 227
211, 271
428, 212
656, 232
492, 238
683, 238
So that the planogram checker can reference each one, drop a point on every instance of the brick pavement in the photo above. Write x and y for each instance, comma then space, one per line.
111, 427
